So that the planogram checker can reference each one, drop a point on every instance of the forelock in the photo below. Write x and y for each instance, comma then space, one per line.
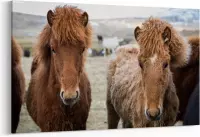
67, 24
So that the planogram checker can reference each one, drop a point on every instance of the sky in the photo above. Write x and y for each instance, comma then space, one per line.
94, 11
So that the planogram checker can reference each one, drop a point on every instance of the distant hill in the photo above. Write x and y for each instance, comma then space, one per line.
26, 25
182, 15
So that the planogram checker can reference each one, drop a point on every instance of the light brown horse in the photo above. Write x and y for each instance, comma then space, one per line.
18, 84
59, 94
184, 56
141, 90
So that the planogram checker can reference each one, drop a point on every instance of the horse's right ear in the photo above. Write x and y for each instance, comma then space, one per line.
166, 35
85, 19
50, 15
136, 32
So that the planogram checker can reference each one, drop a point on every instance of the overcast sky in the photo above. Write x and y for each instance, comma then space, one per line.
94, 11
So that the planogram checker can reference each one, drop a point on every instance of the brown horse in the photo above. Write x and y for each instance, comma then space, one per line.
187, 77
18, 84
59, 94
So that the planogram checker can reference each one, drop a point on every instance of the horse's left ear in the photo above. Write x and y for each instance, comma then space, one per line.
136, 32
50, 16
85, 19
166, 35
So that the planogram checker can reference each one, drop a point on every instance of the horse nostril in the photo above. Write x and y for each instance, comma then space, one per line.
158, 112
62, 93
147, 112
77, 93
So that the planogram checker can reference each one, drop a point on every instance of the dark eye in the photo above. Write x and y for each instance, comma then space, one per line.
165, 65
141, 65
53, 51
82, 50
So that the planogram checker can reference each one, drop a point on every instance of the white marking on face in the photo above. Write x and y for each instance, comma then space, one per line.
153, 59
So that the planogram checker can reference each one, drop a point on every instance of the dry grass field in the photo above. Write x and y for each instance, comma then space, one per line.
96, 68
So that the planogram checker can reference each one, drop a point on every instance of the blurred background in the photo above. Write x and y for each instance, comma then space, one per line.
113, 26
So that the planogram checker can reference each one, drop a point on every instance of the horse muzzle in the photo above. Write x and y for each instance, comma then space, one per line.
69, 99
153, 114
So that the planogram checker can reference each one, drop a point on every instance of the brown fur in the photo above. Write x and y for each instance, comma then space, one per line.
184, 57
150, 41
18, 84
160, 44
125, 95
161, 48
51, 72
186, 77
34, 64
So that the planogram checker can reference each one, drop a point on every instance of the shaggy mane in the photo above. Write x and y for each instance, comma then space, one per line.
151, 38
194, 40
67, 27
151, 35
194, 57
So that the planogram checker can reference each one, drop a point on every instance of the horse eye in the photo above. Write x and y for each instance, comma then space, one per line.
165, 65
83, 50
53, 51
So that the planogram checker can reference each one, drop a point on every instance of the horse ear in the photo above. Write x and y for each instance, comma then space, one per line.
50, 15
136, 32
85, 19
166, 35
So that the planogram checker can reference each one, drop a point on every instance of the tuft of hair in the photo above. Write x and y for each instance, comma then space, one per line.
152, 28
194, 40
194, 55
151, 38
68, 25
16, 52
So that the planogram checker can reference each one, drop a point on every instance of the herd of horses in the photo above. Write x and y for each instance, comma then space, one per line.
153, 85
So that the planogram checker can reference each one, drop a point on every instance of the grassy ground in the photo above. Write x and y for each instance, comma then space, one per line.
96, 68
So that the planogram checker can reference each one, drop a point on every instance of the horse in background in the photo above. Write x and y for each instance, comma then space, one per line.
191, 116
59, 94
187, 77
18, 84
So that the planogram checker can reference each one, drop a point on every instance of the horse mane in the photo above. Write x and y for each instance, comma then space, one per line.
42, 50
66, 27
152, 27
153, 42
194, 40
16, 52
194, 57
